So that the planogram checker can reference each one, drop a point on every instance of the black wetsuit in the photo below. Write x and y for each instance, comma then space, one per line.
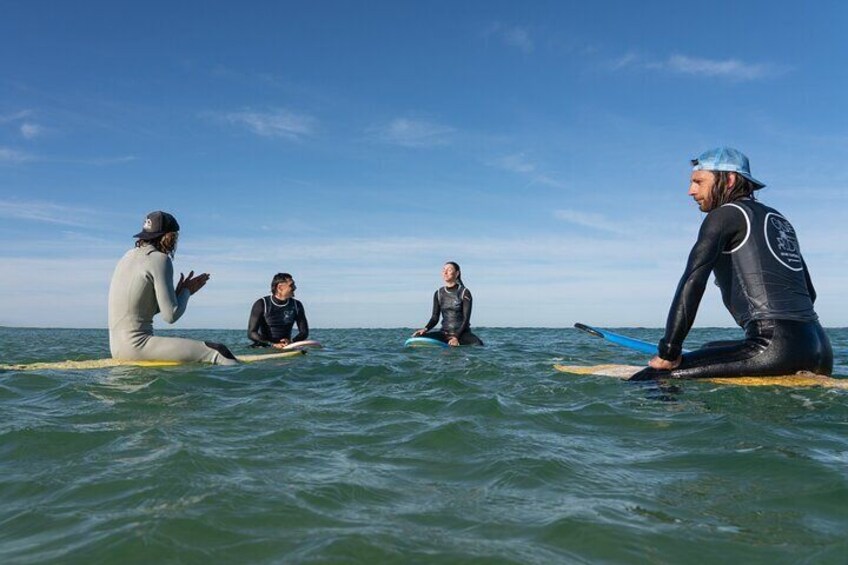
764, 282
272, 320
454, 307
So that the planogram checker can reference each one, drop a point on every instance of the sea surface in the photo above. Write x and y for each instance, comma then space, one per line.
366, 452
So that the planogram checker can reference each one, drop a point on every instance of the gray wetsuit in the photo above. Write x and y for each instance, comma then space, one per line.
143, 286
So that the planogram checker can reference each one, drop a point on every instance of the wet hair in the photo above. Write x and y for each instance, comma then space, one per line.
279, 278
455, 265
723, 192
165, 243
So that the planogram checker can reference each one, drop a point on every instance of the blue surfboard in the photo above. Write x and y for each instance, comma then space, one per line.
424, 342
632, 343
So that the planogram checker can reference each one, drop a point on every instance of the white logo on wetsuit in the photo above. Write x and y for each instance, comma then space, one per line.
782, 242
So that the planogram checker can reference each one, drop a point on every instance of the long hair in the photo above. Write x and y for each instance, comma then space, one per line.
455, 265
165, 243
723, 193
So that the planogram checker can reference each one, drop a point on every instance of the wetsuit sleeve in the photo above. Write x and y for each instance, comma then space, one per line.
437, 310
721, 227
810, 288
466, 313
257, 319
302, 324
171, 306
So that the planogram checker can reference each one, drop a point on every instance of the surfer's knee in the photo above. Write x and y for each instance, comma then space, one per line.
649, 374
227, 357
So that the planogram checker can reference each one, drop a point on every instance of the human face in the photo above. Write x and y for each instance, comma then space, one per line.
449, 274
285, 289
701, 189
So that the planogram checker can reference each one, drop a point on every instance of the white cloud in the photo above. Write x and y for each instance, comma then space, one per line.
592, 220
103, 161
13, 156
519, 38
731, 69
624, 279
517, 163
413, 133
31, 131
46, 212
14, 117
513, 36
520, 164
276, 123
626, 60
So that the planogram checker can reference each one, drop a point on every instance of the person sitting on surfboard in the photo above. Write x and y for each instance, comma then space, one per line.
143, 286
754, 252
453, 302
272, 317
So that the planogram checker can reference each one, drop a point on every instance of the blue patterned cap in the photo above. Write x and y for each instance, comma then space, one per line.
725, 159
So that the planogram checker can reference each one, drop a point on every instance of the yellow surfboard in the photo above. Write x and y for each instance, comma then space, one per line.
106, 363
797, 380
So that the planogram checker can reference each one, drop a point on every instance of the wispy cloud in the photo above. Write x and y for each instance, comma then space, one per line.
13, 156
413, 133
567, 277
558, 271
15, 116
513, 36
101, 161
520, 164
31, 131
592, 220
46, 212
731, 69
278, 123
517, 163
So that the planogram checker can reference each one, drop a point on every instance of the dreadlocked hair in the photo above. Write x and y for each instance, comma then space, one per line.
165, 243
723, 193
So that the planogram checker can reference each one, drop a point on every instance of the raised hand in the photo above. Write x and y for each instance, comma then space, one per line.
192, 283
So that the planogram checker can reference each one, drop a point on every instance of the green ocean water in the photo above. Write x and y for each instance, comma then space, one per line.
366, 452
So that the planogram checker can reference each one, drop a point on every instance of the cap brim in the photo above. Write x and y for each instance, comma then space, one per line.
757, 184
147, 235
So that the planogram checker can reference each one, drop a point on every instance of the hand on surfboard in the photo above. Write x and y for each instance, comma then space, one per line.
281, 344
453, 342
419, 333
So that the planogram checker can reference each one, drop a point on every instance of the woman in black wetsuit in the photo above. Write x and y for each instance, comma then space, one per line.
453, 302
764, 282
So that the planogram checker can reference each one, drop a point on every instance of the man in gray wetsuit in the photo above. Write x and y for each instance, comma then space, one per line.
143, 286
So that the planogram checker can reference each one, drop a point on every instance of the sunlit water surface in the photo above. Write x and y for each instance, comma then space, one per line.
366, 452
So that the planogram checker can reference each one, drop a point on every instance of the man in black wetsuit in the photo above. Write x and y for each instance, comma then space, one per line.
272, 317
764, 282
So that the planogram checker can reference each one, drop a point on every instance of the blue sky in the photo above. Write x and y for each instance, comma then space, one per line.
544, 146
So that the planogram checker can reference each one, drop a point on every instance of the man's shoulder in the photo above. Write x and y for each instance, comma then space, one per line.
153, 256
736, 209
728, 217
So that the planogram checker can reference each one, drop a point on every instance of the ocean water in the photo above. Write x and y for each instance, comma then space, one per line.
366, 452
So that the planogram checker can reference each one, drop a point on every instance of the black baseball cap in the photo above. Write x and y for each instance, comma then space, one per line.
157, 224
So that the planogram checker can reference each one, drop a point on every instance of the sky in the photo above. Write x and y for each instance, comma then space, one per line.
544, 146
